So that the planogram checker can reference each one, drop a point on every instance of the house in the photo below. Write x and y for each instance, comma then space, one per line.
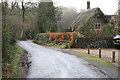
114, 20
89, 22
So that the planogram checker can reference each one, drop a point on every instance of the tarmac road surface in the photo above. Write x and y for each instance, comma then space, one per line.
51, 63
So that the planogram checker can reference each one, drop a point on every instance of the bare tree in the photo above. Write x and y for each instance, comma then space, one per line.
24, 7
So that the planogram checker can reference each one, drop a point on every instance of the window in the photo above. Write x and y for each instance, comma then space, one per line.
97, 26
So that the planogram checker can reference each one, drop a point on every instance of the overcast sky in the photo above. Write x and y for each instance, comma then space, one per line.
108, 7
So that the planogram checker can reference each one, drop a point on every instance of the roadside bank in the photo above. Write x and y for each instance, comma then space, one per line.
15, 66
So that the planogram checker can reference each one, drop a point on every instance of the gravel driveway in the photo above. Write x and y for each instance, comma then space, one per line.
51, 63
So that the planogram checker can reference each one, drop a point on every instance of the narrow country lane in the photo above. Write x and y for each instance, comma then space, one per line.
51, 63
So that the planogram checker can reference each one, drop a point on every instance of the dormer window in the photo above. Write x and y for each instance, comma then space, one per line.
97, 26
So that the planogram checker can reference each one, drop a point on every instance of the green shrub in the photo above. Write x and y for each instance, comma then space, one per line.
108, 31
53, 28
52, 44
66, 45
11, 63
43, 37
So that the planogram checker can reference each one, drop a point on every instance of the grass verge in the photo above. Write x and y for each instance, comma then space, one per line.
106, 67
12, 68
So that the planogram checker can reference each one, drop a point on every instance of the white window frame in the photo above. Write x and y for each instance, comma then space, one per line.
97, 28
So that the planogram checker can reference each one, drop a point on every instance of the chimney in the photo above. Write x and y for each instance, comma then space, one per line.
88, 5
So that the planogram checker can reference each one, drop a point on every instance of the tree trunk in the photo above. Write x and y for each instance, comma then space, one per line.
23, 12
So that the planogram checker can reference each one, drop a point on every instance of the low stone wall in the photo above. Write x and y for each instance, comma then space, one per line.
105, 42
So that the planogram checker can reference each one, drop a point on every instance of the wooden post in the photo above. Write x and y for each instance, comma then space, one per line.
113, 56
88, 49
99, 52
